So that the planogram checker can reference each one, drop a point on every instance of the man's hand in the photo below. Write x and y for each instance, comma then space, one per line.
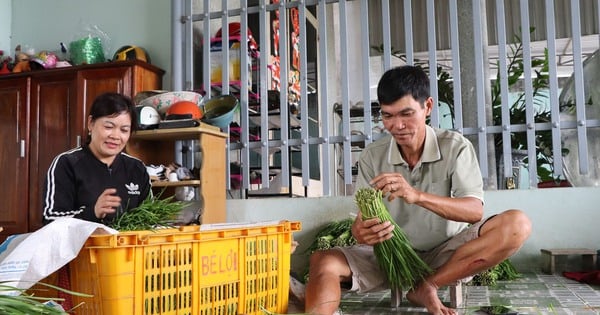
371, 231
395, 186
461, 209
107, 203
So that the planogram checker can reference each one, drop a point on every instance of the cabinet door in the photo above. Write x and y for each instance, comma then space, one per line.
14, 159
128, 78
93, 82
57, 125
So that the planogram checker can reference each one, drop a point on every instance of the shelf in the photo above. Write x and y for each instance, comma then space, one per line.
276, 170
275, 120
157, 146
357, 110
235, 89
190, 133
160, 183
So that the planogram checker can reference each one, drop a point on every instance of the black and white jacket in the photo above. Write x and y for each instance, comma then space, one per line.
76, 178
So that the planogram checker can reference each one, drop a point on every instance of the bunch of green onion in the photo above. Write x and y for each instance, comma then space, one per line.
16, 301
504, 271
336, 233
396, 257
152, 213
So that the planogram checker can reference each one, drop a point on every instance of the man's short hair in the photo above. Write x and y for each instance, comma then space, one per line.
401, 81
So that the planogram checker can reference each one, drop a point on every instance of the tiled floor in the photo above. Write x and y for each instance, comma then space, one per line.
531, 294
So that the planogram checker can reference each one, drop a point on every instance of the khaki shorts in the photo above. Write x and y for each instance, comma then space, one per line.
367, 277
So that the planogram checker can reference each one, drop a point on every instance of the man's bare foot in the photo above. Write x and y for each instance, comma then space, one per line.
426, 295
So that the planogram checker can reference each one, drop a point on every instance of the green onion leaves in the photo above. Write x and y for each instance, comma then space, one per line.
396, 257
152, 213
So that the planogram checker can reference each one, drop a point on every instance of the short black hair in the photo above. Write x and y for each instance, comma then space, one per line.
113, 104
401, 81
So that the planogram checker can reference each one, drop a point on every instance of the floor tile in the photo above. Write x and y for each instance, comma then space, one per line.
535, 294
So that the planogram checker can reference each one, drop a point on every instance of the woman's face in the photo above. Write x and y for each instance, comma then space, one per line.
109, 135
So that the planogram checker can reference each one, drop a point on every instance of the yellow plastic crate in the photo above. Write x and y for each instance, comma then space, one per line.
230, 269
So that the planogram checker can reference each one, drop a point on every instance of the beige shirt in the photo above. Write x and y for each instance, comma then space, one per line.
448, 167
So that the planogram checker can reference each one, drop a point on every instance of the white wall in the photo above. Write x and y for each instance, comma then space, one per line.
43, 25
561, 217
5, 20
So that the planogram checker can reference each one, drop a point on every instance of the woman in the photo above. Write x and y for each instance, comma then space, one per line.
97, 181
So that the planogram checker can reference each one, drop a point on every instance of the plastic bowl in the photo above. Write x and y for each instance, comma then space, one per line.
163, 101
218, 111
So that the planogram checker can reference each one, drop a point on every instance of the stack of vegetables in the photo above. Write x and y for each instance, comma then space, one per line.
502, 272
336, 233
152, 213
16, 301
396, 257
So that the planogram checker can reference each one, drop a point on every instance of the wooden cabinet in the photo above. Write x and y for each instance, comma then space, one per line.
43, 113
157, 147
14, 159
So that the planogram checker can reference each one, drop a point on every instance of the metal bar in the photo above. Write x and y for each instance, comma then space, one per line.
244, 99
284, 106
176, 47
408, 33
458, 114
224, 49
189, 47
304, 98
553, 85
205, 56
504, 96
579, 89
366, 69
256, 9
479, 89
565, 125
345, 91
206, 50
431, 34
387, 37
346, 138
323, 67
225, 70
529, 110
188, 64
264, 114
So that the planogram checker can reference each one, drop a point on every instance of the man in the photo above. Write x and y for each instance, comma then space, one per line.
433, 190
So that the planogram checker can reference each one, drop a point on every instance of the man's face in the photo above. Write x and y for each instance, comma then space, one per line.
406, 119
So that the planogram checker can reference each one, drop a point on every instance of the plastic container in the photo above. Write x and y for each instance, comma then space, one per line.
219, 110
234, 60
163, 101
221, 269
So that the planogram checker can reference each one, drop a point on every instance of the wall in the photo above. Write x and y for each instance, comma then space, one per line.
561, 217
5, 20
43, 25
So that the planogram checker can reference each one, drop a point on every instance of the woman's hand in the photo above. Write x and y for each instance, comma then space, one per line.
108, 202
371, 231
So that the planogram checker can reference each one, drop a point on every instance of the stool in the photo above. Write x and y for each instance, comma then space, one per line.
588, 258
456, 295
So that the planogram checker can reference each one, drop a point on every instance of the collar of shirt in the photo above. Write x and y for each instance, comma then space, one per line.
431, 151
